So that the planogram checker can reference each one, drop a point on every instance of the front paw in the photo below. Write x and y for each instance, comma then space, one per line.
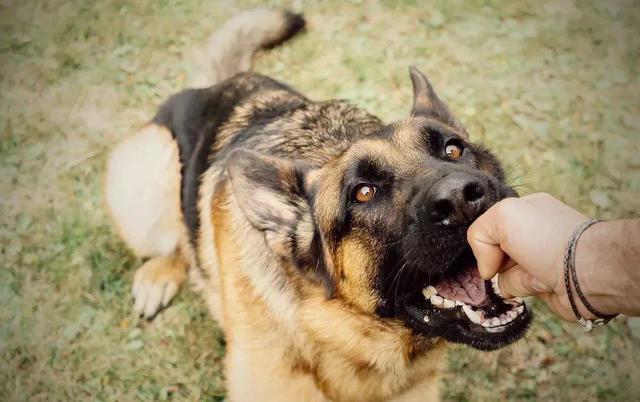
156, 283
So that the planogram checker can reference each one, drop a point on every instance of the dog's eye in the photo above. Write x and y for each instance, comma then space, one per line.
364, 193
453, 149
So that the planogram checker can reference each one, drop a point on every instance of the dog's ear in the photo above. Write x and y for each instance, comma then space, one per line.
270, 192
427, 103
272, 195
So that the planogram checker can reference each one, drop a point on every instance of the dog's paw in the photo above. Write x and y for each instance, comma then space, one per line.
156, 283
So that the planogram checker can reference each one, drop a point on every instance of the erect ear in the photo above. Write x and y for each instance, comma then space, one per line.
427, 103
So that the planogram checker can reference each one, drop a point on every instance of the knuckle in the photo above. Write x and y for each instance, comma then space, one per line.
506, 214
507, 206
472, 232
541, 196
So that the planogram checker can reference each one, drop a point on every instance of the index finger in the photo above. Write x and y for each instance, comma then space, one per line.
484, 238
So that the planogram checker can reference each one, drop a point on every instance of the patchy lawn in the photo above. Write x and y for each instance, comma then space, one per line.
552, 87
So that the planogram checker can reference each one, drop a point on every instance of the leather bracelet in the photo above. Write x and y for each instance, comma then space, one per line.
570, 275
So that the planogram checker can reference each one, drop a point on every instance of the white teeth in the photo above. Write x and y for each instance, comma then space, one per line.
426, 318
492, 323
497, 324
436, 300
494, 285
448, 303
496, 290
428, 292
474, 316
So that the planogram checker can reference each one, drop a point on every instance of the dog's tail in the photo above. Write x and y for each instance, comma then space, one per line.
230, 49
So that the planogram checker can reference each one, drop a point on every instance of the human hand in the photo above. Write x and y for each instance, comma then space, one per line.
524, 239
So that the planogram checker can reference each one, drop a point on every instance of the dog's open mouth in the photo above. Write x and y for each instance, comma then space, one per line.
462, 307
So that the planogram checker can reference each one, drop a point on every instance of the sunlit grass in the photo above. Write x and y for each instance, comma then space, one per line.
552, 88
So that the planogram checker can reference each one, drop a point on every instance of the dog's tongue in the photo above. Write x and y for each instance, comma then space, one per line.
466, 286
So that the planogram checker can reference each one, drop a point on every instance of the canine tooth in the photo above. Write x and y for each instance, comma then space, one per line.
520, 309
448, 303
436, 300
473, 315
428, 292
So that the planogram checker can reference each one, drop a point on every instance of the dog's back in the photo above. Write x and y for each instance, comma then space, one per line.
143, 171
153, 176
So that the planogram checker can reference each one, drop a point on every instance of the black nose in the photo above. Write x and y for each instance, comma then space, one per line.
456, 199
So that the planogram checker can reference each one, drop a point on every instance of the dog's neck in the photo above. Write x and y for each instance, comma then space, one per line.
299, 331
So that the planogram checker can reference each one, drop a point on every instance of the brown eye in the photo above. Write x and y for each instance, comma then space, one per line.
365, 193
453, 151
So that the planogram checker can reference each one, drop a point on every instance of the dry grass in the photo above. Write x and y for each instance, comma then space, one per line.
551, 87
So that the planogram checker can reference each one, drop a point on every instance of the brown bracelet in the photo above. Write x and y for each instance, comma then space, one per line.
571, 275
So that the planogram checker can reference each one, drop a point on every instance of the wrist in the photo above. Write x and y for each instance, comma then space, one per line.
603, 270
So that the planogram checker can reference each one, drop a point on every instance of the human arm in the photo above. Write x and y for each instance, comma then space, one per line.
525, 240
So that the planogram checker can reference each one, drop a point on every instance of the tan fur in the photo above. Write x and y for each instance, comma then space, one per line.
142, 188
255, 343
325, 350
355, 283
156, 282
289, 345
231, 48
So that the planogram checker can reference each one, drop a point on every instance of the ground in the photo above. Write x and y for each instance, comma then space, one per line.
551, 87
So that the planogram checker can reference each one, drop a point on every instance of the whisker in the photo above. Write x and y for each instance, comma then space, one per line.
391, 244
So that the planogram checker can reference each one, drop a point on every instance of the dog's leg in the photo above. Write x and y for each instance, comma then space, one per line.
143, 197
156, 282
142, 190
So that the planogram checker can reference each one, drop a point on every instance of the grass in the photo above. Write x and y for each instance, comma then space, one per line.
552, 87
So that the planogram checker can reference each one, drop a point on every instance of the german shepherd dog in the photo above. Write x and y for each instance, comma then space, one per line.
329, 246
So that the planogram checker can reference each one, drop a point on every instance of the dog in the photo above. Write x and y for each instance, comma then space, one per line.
329, 246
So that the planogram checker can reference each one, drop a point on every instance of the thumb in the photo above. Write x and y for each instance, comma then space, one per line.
484, 240
516, 282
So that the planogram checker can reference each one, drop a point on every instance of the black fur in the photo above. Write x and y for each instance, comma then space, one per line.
295, 24
194, 117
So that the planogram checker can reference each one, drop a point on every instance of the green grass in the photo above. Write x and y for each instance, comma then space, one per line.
552, 87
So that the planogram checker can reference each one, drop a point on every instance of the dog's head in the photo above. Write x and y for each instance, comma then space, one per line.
383, 225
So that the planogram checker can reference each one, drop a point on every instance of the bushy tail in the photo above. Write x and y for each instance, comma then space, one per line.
231, 48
